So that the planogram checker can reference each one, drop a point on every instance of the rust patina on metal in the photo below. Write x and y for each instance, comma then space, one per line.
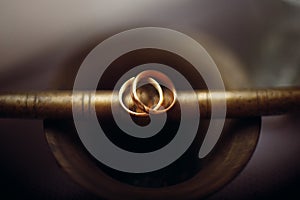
58, 104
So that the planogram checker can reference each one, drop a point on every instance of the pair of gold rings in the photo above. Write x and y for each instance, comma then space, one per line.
149, 77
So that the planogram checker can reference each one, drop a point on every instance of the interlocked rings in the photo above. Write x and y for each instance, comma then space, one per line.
89, 74
150, 76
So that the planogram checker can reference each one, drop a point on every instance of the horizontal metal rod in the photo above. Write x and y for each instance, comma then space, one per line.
58, 104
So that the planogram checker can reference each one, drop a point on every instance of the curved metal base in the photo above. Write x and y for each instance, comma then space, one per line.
231, 154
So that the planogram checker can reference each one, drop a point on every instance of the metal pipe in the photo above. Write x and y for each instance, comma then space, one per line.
58, 104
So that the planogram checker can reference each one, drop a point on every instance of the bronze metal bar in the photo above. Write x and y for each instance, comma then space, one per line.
58, 104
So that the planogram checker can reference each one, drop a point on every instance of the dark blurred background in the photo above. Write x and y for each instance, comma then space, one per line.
39, 38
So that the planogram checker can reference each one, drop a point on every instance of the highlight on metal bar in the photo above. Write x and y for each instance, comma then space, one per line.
58, 104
